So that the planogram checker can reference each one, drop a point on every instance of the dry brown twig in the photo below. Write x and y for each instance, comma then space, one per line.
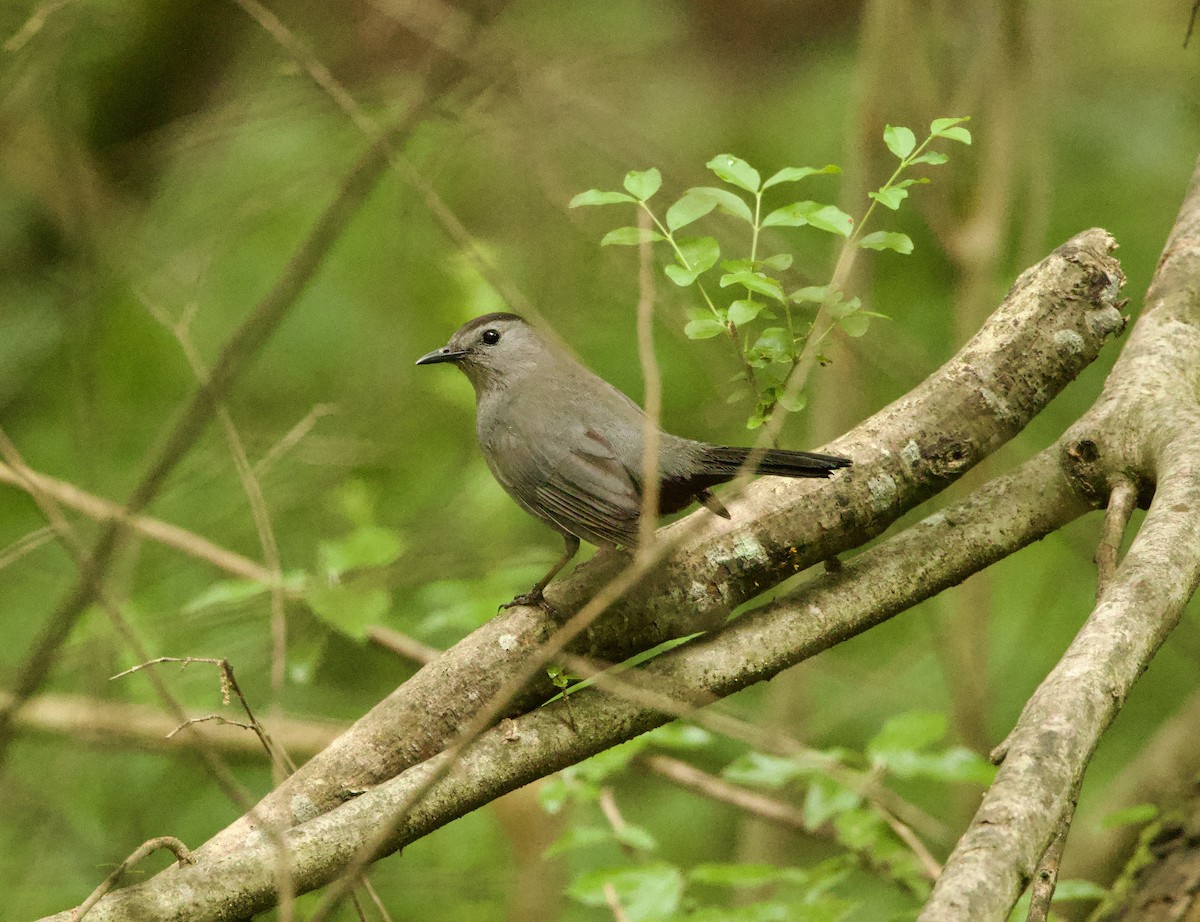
170, 843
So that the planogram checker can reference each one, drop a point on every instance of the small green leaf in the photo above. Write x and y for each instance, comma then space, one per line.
793, 403
779, 263
956, 134
774, 343
754, 281
678, 735
932, 157
736, 172
636, 837
812, 294
824, 799
887, 240
739, 875
908, 732
1130, 816
832, 219
738, 265
759, 769
597, 197
947, 128
744, 311
575, 837
793, 215
642, 184
372, 546
796, 173
679, 275
938, 125
692, 205
890, 196
704, 328
701, 253
226, 592
727, 202
630, 236
347, 609
1073, 890
855, 325
899, 140
647, 892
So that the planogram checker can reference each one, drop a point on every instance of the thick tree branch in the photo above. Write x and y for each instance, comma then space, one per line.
1052, 324
1146, 428
938, 552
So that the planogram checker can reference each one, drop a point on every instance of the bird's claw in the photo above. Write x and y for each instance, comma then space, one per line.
534, 599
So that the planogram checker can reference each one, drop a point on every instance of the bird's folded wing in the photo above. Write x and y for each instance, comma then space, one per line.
590, 487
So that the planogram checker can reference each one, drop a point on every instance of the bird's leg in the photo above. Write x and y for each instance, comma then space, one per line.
534, 596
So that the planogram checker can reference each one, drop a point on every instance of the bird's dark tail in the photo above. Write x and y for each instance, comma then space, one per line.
726, 462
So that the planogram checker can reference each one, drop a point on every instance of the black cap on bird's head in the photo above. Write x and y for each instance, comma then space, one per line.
489, 348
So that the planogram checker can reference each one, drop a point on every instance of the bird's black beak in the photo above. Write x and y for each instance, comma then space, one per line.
445, 354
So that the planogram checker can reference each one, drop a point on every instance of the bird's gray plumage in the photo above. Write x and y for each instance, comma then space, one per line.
567, 445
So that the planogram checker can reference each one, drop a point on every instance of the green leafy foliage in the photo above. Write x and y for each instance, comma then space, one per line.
647, 893
771, 355
643, 184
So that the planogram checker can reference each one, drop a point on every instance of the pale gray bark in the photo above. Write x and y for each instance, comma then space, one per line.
1145, 427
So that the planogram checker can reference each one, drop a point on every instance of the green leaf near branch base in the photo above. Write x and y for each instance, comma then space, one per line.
744, 311
754, 281
736, 172
899, 140
649, 892
371, 546
597, 197
796, 173
642, 184
727, 202
949, 128
691, 206
630, 236
890, 196
887, 240
704, 328
823, 217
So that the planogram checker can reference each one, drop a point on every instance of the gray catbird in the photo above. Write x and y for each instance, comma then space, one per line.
567, 445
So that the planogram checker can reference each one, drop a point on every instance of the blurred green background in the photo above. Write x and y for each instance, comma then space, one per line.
168, 157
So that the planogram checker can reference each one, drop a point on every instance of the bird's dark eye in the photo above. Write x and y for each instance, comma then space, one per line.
490, 337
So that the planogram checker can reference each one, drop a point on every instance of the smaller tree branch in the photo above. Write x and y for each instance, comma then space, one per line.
146, 848
1121, 503
1045, 881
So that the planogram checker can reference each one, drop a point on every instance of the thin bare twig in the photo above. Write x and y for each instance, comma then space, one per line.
1122, 500
612, 813
1045, 880
250, 486
90, 580
102, 510
408, 648
293, 437
214, 718
236, 356
168, 842
229, 690
26, 544
652, 387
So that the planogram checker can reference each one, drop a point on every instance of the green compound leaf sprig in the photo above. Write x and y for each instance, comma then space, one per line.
774, 331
